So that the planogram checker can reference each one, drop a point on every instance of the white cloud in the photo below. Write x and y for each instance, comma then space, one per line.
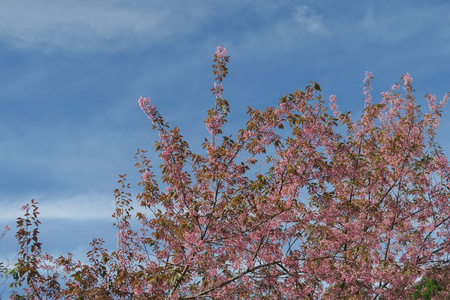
111, 25
394, 27
91, 25
310, 20
79, 207
296, 31
397, 24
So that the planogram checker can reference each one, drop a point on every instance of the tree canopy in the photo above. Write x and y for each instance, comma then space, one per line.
302, 203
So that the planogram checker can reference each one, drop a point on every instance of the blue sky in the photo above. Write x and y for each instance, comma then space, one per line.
72, 72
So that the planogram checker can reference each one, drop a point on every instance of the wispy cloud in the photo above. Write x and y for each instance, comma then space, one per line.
289, 32
310, 20
115, 25
382, 23
99, 25
78, 207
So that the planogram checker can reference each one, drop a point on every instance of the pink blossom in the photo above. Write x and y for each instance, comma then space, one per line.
432, 102
407, 79
334, 107
214, 124
7, 227
367, 77
148, 109
367, 89
221, 52
137, 291
146, 176
218, 90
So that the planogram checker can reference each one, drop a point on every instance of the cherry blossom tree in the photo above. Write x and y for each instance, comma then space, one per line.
302, 203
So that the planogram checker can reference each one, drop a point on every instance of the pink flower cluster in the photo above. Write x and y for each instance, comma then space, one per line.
217, 115
367, 77
218, 89
407, 79
367, 89
334, 107
148, 109
146, 176
221, 52
214, 124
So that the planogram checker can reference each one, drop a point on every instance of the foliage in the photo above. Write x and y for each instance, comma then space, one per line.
301, 204
428, 286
